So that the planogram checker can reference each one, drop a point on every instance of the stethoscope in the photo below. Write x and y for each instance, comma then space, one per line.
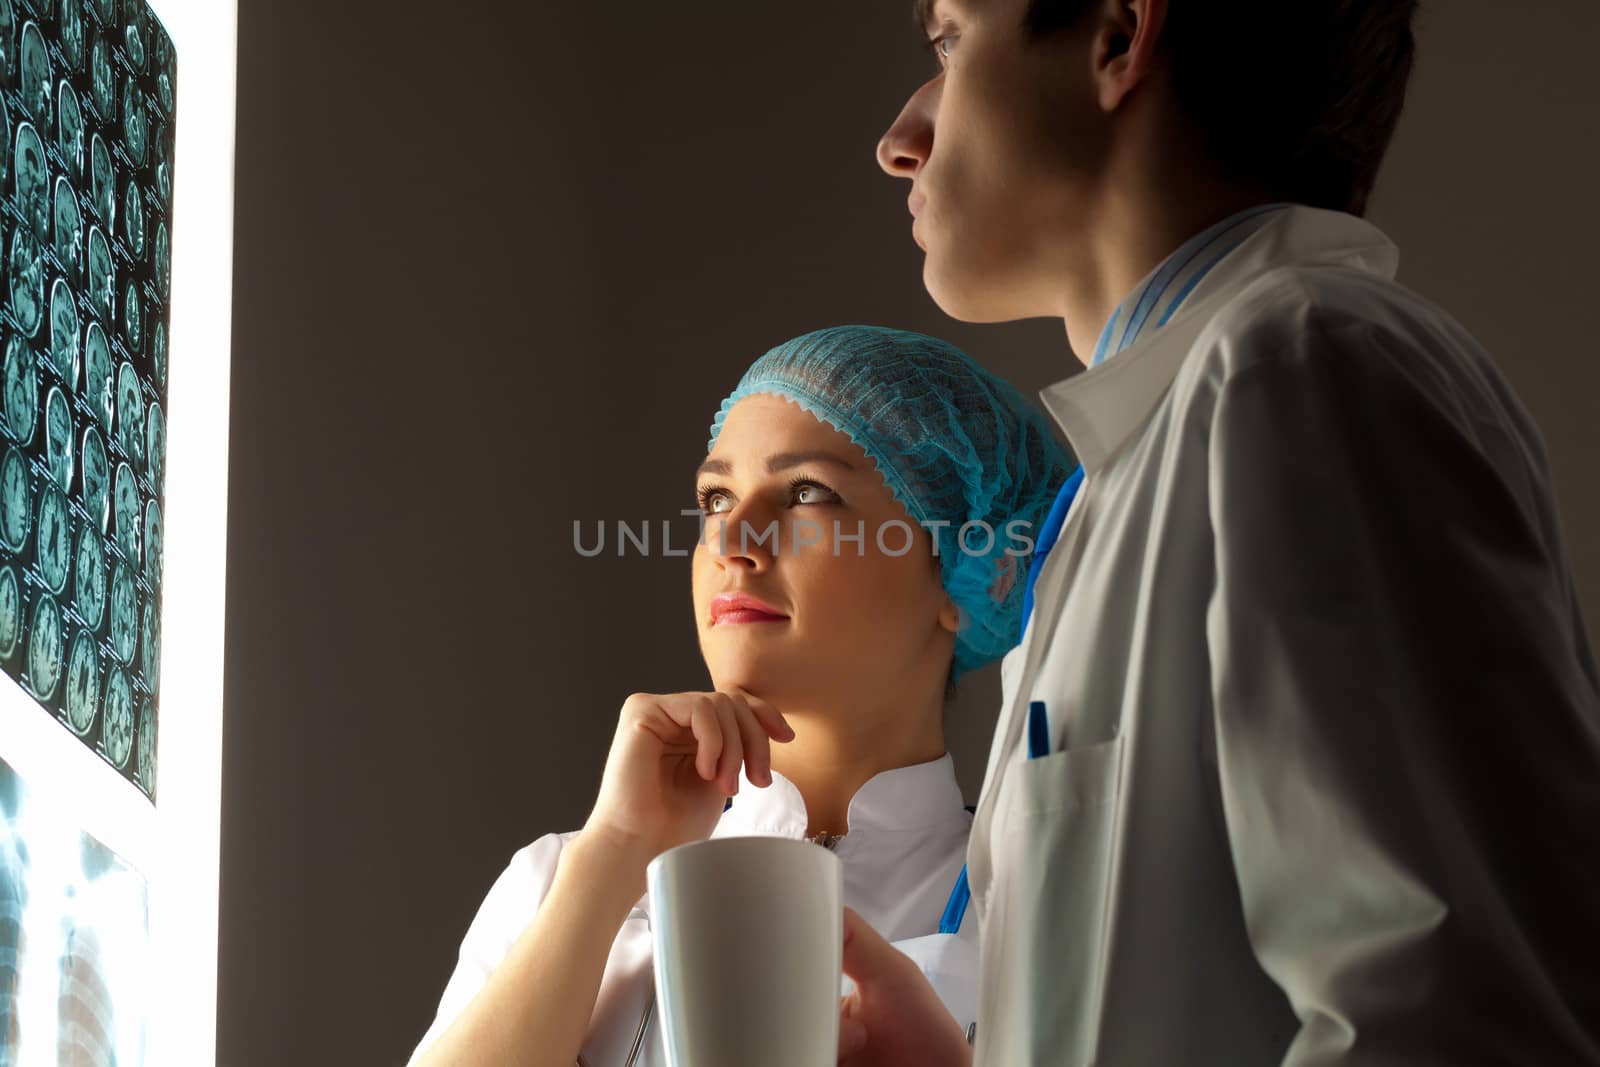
955, 909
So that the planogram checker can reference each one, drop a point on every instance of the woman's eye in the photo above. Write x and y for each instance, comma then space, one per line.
714, 501
813, 493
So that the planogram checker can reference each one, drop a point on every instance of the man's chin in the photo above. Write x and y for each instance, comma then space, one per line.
959, 295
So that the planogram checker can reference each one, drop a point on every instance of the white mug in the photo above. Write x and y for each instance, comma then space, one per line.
749, 935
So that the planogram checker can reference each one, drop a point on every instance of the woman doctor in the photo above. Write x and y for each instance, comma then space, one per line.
903, 481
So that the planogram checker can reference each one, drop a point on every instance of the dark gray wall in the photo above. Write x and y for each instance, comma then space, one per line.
495, 270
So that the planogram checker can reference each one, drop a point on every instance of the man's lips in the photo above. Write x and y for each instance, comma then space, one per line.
742, 607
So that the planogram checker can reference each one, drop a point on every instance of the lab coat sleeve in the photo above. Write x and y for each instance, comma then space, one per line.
510, 905
1405, 736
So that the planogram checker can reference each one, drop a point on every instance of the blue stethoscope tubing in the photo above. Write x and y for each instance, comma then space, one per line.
955, 908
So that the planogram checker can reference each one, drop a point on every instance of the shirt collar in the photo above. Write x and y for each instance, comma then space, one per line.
1101, 406
1156, 299
918, 797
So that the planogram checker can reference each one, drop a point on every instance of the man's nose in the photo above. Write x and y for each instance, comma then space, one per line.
905, 146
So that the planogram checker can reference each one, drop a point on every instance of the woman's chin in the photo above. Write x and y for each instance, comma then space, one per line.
764, 676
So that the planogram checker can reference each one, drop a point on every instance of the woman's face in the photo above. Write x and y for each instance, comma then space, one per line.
833, 621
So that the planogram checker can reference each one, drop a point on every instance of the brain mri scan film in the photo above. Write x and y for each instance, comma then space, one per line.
8, 41
88, 95
101, 180
152, 544
130, 414
83, 683
89, 578
125, 513
117, 730
35, 61
69, 130
54, 557
71, 36
97, 373
31, 179
155, 448
69, 229
146, 745
96, 482
124, 614
100, 273
133, 220
10, 613
102, 81
44, 648
58, 437
21, 384
150, 646
64, 332
27, 282
16, 518
132, 318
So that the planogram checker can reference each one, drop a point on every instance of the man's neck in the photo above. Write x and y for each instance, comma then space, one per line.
1133, 228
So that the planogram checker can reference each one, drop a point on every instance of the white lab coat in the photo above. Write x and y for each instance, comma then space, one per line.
906, 844
1323, 784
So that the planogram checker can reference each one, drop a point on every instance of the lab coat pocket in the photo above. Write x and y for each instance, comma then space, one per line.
1053, 859
1073, 778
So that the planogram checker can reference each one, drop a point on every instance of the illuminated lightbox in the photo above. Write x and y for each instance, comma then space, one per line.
88, 102
113, 489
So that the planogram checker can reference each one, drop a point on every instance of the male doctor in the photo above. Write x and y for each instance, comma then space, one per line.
1299, 757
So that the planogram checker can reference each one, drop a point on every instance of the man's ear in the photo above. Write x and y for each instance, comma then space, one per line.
1125, 47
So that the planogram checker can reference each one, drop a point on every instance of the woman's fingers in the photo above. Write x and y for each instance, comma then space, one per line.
757, 754
771, 719
732, 744
703, 721
723, 730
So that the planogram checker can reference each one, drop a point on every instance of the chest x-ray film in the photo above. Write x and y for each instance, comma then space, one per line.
87, 90
75, 952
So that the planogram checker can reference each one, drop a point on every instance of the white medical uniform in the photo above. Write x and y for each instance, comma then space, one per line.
906, 844
1323, 775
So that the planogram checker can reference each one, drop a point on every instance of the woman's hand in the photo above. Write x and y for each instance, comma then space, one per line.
894, 1017
674, 760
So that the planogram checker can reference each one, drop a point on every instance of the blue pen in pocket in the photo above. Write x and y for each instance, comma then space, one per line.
1038, 730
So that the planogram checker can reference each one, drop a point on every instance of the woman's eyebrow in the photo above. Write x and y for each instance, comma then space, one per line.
778, 461
784, 460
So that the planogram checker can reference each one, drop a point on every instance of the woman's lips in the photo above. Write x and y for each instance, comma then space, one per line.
742, 607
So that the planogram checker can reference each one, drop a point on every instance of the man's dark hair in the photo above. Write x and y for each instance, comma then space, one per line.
1299, 96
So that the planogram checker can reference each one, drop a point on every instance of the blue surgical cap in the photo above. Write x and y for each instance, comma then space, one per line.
955, 445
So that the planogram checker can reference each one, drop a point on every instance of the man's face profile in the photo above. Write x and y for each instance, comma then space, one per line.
999, 145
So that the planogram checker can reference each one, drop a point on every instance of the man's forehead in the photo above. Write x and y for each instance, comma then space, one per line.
929, 12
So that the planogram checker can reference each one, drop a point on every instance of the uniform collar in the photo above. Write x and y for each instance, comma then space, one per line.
918, 797
1099, 407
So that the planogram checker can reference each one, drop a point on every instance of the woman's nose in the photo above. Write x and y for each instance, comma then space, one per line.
744, 541
905, 146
